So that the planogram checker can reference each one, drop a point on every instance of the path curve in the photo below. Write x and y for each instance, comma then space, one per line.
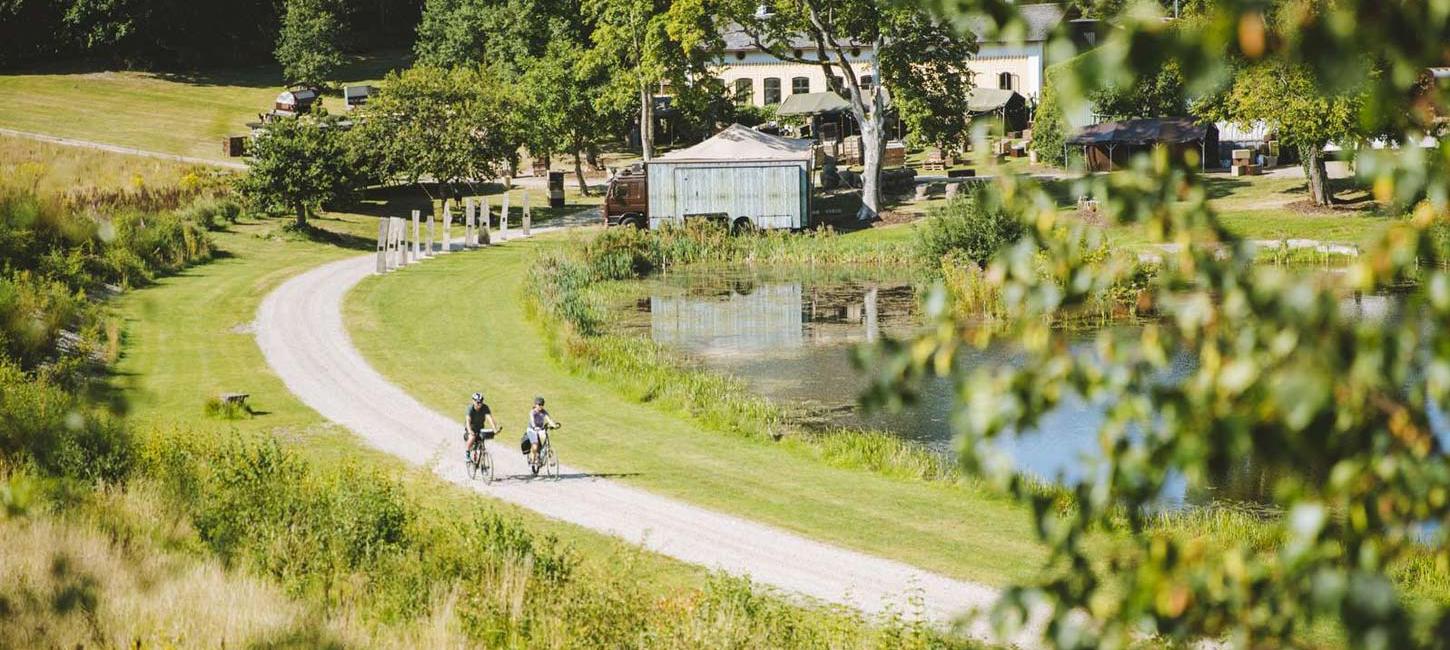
300, 330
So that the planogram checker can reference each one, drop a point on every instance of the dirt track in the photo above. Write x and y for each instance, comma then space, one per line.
301, 333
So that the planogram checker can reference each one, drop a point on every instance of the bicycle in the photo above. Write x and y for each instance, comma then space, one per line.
479, 461
544, 458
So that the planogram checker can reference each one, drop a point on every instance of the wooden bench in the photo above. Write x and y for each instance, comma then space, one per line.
237, 400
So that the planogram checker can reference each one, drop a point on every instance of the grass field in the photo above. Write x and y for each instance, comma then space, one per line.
399, 318
178, 114
47, 167
187, 339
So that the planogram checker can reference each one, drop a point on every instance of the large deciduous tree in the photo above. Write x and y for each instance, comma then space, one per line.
921, 62
297, 164
643, 44
443, 126
1307, 115
308, 43
558, 105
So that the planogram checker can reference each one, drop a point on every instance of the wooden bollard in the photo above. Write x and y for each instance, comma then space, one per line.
447, 228
467, 222
485, 222
382, 245
503, 218
417, 244
528, 218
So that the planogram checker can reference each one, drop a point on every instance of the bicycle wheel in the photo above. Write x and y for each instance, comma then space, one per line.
487, 468
551, 464
472, 463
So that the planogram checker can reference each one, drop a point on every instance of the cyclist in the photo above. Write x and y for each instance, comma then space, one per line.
478, 421
539, 420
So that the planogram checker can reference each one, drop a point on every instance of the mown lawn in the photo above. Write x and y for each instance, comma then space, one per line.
458, 324
188, 338
169, 113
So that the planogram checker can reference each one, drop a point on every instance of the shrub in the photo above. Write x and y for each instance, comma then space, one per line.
212, 213
972, 227
215, 407
44, 427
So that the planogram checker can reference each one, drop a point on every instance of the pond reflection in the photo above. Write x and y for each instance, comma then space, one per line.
791, 340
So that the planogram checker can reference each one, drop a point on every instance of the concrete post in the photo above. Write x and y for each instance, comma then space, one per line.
503, 218
430, 252
417, 242
447, 223
485, 221
528, 218
382, 245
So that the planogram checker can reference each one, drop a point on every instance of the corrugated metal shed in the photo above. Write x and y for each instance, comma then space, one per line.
739, 173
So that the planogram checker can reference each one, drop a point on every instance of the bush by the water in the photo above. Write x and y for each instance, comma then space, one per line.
972, 227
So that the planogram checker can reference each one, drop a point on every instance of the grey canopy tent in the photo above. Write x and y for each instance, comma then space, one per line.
813, 104
1008, 105
1109, 144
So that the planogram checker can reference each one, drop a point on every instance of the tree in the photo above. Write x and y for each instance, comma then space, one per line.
1158, 95
307, 45
559, 110
298, 164
645, 43
1337, 411
444, 126
456, 33
1305, 114
921, 61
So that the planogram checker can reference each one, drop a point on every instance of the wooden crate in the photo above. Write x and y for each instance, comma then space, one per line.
895, 155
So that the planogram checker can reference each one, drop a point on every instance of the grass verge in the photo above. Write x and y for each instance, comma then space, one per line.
464, 315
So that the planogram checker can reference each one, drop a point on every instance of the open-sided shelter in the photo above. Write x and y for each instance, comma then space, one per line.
1109, 145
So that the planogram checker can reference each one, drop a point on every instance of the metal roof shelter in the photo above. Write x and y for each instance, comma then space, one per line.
1009, 105
739, 143
1169, 131
826, 103
740, 176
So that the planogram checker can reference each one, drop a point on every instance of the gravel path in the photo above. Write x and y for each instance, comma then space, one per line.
301, 333
130, 151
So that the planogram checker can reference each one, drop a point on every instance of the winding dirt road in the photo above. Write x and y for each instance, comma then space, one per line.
301, 333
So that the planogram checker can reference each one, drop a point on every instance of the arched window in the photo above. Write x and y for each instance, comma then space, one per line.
772, 90
1007, 81
744, 92
800, 85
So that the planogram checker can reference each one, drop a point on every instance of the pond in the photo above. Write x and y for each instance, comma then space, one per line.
791, 339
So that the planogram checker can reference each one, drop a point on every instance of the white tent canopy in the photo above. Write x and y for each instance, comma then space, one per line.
740, 143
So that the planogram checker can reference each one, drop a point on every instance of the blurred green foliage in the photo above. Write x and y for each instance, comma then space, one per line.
1334, 409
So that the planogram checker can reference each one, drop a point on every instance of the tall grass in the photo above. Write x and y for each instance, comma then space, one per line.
375, 566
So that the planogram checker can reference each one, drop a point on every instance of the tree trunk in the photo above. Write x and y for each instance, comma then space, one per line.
873, 149
591, 155
646, 121
1316, 175
301, 212
579, 172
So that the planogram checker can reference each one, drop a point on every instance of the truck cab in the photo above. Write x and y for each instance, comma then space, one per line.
626, 200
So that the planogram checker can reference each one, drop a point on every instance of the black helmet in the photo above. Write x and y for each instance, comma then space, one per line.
538, 401
478, 397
